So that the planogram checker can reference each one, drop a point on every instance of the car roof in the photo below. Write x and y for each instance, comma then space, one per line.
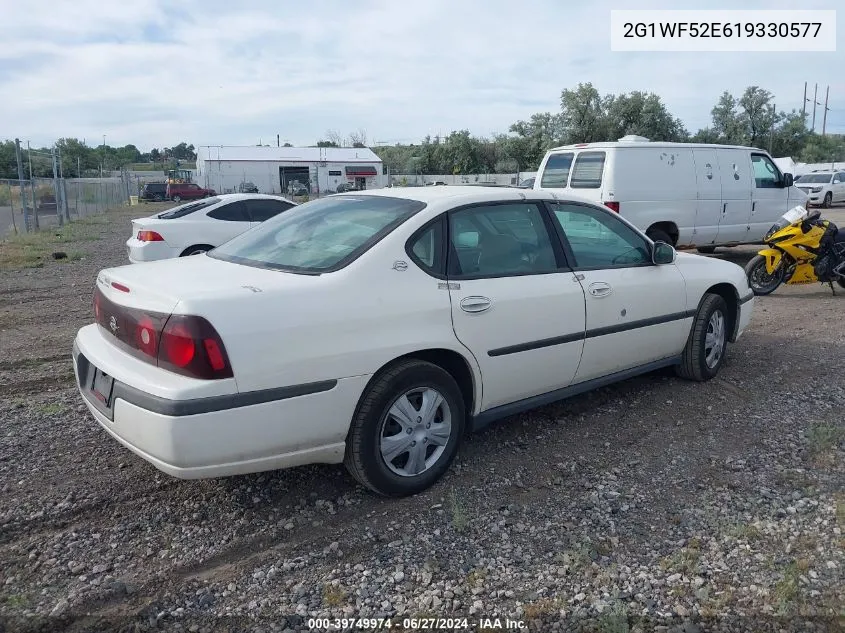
466, 194
229, 197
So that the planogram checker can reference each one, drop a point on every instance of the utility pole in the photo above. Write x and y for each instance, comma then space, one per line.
26, 221
824, 118
772, 127
804, 107
32, 187
56, 186
815, 103
62, 189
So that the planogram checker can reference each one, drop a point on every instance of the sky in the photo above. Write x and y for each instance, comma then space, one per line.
212, 72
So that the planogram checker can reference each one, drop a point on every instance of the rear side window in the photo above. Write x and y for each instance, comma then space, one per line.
588, 169
232, 212
556, 172
187, 209
261, 210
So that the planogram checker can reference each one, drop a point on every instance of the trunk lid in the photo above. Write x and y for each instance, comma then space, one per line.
160, 285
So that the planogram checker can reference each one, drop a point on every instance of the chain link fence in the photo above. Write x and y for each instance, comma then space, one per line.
32, 205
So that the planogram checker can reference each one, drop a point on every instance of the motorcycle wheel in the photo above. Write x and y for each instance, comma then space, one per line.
761, 282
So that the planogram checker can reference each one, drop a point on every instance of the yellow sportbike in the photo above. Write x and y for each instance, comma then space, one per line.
802, 248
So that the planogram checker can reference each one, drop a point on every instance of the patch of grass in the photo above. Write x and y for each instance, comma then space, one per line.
545, 606
824, 437
685, 560
16, 601
460, 518
746, 532
51, 409
476, 577
787, 590
31, 250
333, 595
614, 619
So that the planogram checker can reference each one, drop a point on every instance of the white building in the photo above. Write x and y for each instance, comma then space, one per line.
277, 169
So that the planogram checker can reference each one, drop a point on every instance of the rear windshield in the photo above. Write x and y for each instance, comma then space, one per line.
319, 236
556, 173
814, 178
587, 171
185, 209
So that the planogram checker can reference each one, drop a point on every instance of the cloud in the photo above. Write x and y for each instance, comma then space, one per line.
154, 73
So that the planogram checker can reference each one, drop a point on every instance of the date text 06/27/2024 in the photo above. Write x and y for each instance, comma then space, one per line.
723, 31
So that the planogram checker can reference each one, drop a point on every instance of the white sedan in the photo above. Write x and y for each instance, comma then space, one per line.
200, 225
374, 328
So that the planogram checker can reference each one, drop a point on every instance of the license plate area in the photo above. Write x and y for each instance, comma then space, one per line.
101, 386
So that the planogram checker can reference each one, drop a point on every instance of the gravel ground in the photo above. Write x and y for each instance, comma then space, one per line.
655, 504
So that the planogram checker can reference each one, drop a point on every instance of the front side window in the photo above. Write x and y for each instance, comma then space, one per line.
232, 212
556, 172
766, 174
600, 240
499, 240
321, 235
588, 169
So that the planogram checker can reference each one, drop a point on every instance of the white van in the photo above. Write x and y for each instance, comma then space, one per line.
689, 195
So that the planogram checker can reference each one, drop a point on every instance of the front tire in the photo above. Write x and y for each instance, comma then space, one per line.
828, 200
707, 344
177, 199
761, 282
406, 430
706, 250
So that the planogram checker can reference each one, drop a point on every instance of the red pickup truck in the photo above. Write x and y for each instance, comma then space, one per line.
187, 191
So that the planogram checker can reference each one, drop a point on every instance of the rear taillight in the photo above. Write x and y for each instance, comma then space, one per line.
183, 344
612, 205
149, 236
191, 346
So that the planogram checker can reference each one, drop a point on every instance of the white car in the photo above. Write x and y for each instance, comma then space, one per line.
374, 328
823, 187
200, 225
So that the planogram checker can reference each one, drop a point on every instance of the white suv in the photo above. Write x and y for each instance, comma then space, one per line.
823, 187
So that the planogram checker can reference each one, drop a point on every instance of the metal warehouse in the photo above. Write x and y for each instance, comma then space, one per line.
284, 169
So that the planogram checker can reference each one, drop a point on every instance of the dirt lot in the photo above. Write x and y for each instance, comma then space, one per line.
653, 503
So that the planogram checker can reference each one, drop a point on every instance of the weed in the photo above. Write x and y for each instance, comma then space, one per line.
460, 520
51, 409
746, 532
684, 560
545, 606
614, 620
333, 595
476, 577
16, 601
787, 589
824, 437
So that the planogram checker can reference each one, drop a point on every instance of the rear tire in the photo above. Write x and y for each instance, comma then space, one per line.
158, 198
828, 200
659, 235
374, 454
177, 199
760, 281
199, 249
706, 250
707, 344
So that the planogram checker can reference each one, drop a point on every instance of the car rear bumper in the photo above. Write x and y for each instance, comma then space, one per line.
139, 252
224, 435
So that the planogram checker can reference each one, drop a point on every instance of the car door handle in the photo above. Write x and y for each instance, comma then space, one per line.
600, 289
475, 304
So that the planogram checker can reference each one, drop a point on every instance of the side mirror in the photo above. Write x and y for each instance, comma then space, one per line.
662, 253
788, 180
836, 181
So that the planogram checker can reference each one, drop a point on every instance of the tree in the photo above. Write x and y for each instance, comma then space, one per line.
327, 144
333, 137
821, 149
358, 139
757, 116
582, 113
